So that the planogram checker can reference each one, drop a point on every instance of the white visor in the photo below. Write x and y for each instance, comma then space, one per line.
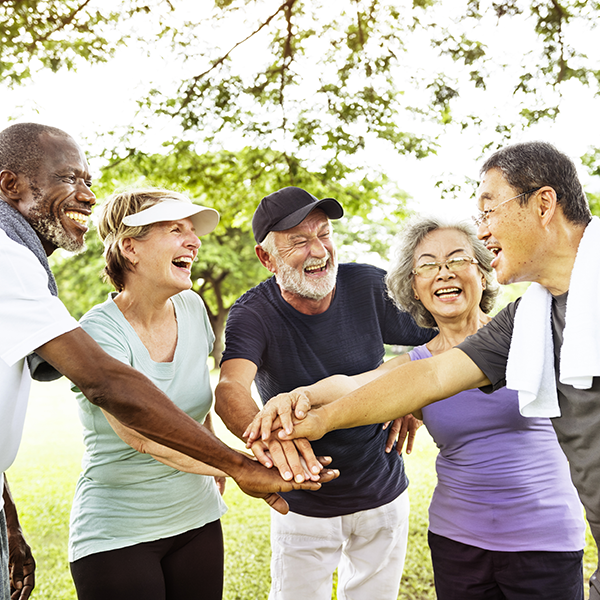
204, 219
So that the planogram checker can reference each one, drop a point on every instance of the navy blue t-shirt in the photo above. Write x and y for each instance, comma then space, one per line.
291, 349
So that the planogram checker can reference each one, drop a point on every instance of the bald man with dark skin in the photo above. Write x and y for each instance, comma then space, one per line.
47, 181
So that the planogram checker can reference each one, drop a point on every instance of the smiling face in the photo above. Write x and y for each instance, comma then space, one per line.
305, 263
58, 201
512, 233
163, 259
448, 295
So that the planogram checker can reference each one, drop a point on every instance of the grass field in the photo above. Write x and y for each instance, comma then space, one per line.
43, 479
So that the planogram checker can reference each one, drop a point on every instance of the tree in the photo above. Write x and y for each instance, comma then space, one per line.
591, 160
57, 34
320, 80
316, 76
267, 93
251, 65
232, 183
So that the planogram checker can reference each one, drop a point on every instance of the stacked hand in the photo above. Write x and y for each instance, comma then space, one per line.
279, 413
256, 481
279, 419
287, 422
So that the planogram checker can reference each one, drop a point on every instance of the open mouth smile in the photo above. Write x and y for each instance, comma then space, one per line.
77, 216
183, 262
316, 268
496, 251
448, 292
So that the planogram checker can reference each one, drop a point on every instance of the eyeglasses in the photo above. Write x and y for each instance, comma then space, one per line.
431, 269
484, 215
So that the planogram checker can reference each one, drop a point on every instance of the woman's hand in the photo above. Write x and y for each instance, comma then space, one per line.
293, 459
278, 412
402, 429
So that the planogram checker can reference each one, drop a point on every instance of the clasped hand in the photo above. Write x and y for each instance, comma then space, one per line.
294, 458
284, 425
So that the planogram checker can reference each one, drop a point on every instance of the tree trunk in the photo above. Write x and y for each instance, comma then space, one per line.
218, 325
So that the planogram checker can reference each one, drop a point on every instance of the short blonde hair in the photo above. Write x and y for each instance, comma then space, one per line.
113, 231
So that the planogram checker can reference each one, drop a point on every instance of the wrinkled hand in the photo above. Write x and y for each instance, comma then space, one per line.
281, 409
293, 459
260, 482
402, 429
312, 427
21, 567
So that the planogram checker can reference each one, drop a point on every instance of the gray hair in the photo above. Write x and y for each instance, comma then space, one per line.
530, 165
400, 277
269, 245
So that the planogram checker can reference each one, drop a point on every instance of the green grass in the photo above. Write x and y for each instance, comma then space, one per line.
43, 480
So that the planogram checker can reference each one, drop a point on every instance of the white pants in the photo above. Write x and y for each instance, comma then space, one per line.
369, 547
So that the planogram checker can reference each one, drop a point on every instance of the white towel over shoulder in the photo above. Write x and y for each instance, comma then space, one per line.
530, 367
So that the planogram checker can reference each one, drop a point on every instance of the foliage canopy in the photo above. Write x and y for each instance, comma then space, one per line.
233, 183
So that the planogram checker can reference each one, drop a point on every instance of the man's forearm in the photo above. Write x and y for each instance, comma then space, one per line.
10, 510
162, 421
135, 401
404, 390
160, 452
235, 406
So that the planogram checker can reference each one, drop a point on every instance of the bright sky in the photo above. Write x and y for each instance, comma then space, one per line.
101, 97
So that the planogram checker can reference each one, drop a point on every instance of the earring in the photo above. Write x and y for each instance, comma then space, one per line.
417, 297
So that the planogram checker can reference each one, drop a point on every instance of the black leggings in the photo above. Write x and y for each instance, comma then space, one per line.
189, 565
463, 572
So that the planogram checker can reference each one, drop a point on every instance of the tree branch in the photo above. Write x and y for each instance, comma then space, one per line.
561, 41
63, 23
219, 61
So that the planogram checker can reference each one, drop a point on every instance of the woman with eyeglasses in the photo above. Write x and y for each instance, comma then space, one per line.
505, 521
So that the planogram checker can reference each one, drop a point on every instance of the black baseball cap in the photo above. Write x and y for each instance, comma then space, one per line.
287, 208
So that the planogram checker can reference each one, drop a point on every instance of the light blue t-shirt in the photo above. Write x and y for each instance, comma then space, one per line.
124, 497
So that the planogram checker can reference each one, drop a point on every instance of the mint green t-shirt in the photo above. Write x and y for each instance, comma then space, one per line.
124, 497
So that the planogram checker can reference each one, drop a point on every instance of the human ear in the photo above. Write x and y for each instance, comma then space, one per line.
265, 258
415, 291
546, 204
128, 250
9, 187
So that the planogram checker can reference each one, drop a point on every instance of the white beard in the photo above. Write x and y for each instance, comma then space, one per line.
297, 282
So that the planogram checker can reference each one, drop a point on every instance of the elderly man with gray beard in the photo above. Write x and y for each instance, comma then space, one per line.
316, 318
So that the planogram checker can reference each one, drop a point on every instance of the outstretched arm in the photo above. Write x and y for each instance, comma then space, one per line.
137, 403
220, 480
401, 391
168, 456
281, 410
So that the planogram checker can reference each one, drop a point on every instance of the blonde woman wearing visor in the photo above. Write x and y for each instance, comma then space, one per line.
140, 528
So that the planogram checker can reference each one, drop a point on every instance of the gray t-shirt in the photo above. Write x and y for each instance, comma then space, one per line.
578, 427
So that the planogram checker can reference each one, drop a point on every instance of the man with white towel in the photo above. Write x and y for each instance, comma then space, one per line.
535, 218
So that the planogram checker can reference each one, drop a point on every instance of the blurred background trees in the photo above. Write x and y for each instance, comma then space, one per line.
253, 95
